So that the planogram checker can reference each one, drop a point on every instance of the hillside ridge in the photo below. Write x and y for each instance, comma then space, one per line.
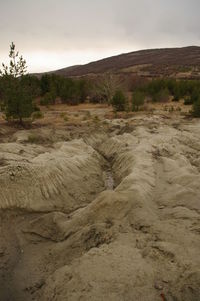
178, 62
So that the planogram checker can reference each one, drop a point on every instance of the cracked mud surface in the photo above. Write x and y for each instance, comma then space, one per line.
112, 214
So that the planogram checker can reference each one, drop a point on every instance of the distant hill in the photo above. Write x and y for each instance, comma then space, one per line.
177, 62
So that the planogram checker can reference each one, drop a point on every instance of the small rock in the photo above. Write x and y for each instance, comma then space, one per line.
158, 286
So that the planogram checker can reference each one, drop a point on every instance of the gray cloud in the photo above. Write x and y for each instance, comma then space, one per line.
101, 27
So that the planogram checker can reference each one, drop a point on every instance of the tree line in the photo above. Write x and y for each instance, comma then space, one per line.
19, 90
161, 90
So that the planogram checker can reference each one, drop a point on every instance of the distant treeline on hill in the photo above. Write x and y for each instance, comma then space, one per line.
51, 88
20, 93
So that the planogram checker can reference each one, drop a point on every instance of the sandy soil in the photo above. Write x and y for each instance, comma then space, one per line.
108, 210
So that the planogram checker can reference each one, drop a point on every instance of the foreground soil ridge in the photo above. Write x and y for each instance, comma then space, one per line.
111, 215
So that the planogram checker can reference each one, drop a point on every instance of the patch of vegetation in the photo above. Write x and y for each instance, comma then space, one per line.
184, 69
119, 101
188, 101
87, 115
137, 100
196, 108
160, 89
37, 139
96, 119
48, 99
62, 115
37, 115
171, 109
104, 88
161, 96
16, 91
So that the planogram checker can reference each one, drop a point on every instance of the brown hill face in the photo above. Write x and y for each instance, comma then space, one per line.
179, 62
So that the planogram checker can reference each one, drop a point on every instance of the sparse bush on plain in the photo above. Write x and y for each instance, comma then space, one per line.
36, 108
88, 114
137, 100
48, 99
196, 108
37, 115
119, 101
35, 138
161, 96
171, 109
96, 119
62, 115
188, 101
104, 88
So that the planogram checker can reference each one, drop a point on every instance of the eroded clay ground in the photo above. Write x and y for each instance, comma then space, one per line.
108, 210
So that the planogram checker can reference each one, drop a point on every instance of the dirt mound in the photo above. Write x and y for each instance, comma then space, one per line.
139, 241
63, 178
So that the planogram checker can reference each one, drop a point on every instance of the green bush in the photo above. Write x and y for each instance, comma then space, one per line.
96, 119
161, 96
188, 101
176, 98
196, 108
48, 99
34, 138
37, 115
195, 95
36, 108
119, 101
66, 118
175, 92
137, 100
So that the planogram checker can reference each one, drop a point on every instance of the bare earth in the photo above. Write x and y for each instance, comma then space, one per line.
102, 209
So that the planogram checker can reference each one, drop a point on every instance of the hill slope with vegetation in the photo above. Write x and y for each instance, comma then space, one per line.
177, 62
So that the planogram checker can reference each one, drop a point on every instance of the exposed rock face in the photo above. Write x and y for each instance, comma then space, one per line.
77, 239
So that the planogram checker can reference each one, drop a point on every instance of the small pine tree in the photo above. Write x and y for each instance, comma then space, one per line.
188, 100
17, 99
48, 99
176, 93
161, 96
137, 100
119, 101
196, 108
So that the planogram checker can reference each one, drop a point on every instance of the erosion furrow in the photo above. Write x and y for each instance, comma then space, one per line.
113, 216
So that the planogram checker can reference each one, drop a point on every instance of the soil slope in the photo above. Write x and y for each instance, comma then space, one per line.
114, 215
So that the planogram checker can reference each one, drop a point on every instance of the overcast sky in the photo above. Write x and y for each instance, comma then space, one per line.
53, 34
